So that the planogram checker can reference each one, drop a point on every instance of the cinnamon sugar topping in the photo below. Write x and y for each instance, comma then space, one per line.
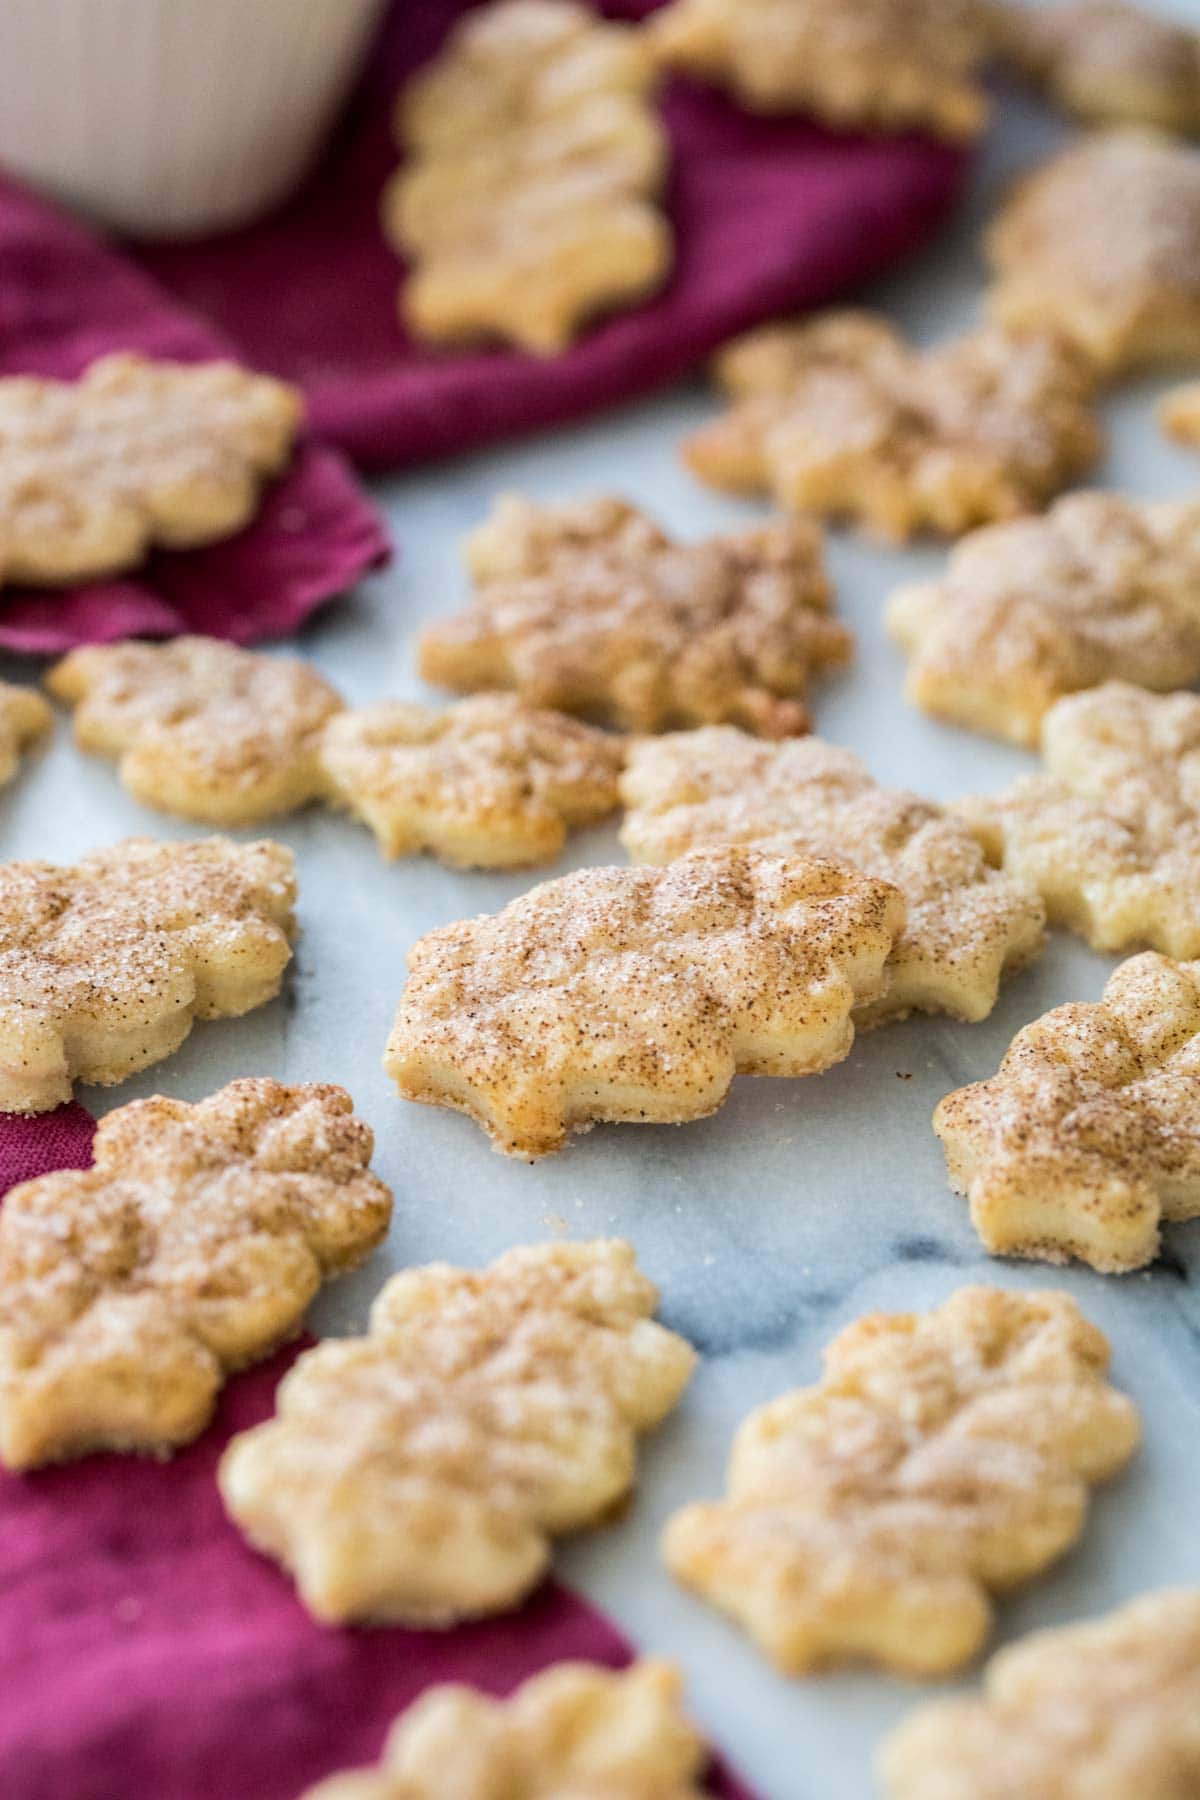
135, 454
1028, 612
104, 965
418, 1474
637, 994
590, 607
1088, 1135
840, 416
943, 1457
966, 926
192, 1247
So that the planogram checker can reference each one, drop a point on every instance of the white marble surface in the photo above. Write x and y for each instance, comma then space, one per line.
801, 1204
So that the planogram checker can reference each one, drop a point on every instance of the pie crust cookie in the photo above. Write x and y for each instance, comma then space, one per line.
105, 964
488, 783
418, 1474
1110, 834
201, 728
128, 1291
966, 927
24, 718
839, 416
1101, 587
231, 737
1108, 62
1102, 245
944, 1457
574, 1730
591, 608
638, 994
1103, 1710
1089, 1134
890, 65
134, 455
528, 202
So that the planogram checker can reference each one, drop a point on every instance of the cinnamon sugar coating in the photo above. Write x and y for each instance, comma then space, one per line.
888, 65
575, 1731
489, 783
966, 927
838, 415
199, 727
24, 718
1110, 834
192, 1247
638, 994
1102, 245
1108, 61
527, 203
943, 1457
1089, 1134
135, 454
1104, 1710
1101, 587
590, 607
418, 1474
106, 963
230, 736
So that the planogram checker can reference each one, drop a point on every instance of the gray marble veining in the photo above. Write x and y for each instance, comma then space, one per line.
801, 1204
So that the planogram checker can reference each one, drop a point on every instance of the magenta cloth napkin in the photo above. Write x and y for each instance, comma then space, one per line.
771, 215
146, 1653
66, 298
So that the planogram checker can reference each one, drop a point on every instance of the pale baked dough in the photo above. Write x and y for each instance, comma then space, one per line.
1104, 1710
192, 1247
638, 994
106, 963
1110, 834
966, 926
889, 65
231, 737
489, 783
838, 415
1108, 61
135, 454
590, 607
24, 718
418, 1474
1089, 1134
1102, 245
576, 1731
199, 727
944, 1457
1101, 587
527, 204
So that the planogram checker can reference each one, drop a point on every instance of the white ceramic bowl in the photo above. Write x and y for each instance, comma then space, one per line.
170, 118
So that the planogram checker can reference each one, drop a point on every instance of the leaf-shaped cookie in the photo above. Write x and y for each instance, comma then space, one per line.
191, 1247
943, 1457
965, 928
106, 963
637, 994
419, 1473
135, 454
591, 608
838, 415
1089, 1133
